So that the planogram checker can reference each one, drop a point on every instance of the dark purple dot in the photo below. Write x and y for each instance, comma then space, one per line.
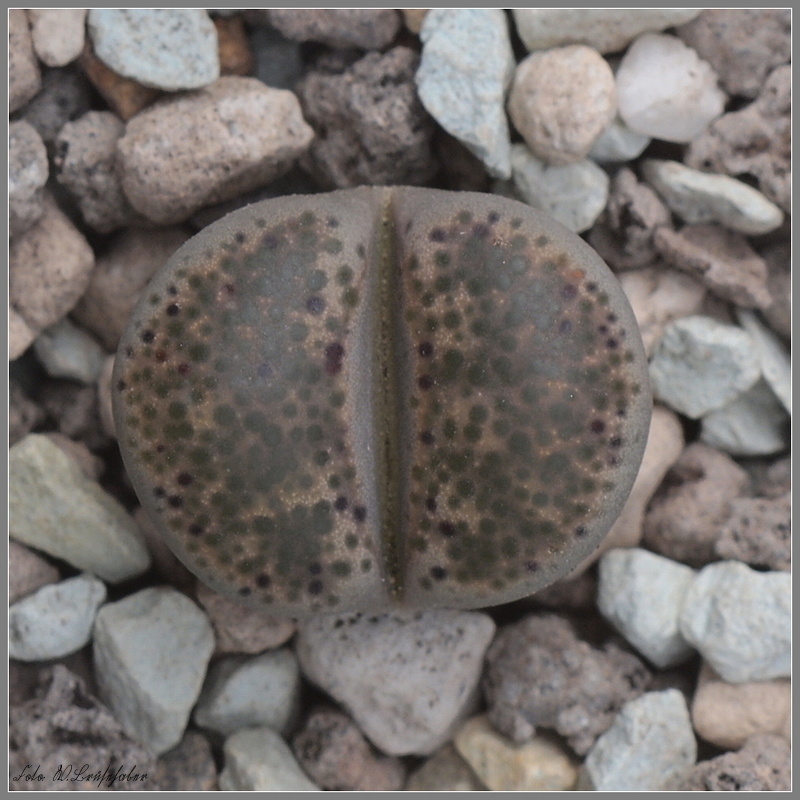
184, 479
426, 437
581, 530
244, 591
196, 529
493, 217
430, 504
148, 337
315, 587
159, 491
531, 566
264, 370
447, 529
340, 504
229, 288
480, 230
315, 305
160, 356
129, 351
565, 326
612, 344
437, 235
568, 291
160, 448
183, 369
263, 580
597, 426
173, 309
315, 568
240, 238
425, 382
173, 290
175, 501
611, 317
332, 222
616, 441
359, 513
425, 349
602, 328
613, 461
591, 286
270, 241
621, 412
121, 385
438, 573
334, 353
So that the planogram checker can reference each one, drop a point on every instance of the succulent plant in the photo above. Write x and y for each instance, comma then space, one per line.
382, 397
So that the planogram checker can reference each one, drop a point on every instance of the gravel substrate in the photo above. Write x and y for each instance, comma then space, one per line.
662, 137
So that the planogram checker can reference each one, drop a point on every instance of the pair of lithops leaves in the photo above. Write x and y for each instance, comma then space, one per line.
380, 398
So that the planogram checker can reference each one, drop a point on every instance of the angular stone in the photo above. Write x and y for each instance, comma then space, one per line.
27, 175
776, 366
55, 508
150, 654
618, 143
467, 65
67, 351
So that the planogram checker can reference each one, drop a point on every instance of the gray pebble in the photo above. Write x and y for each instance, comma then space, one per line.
250, 692
641, 594
150, 654
55, 508
776, 366
168, 49
67, 351
56, 620
701, 365
27, 175
466, 68
407, 678
704, 197
740, 621
575, 194
618, 143
754, 424
258, 760
650, 747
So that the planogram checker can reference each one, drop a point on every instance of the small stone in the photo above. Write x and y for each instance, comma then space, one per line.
413, 18
168, 49
27, 572
776, 366
120, 276
561, 100
49, 268
665, 90
278, 61
24, 77
758, 532
188, 767
64, 725
576, 592
367, 29
574, 194
650, 747
242, 629
58, 34
538, 765
407, 678
363, 118
20, 335
722, 259
540, 675
27, 175
624, 237
640, 594
606, 29
754, 141
754, 424
764, 764
75, 410
684, 520
86, 160
251, 134
56, 620
742, 44
778, 313
258, 760
618, 143
66, 351
150, 654
444, 771
125, 97
55, 508
242, 692
739, 620
703, 197
235, 56
333, 751
658, 296
467, 66
727, 714
701, 365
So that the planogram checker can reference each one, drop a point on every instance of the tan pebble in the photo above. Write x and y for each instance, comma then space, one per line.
58, 34
414, 17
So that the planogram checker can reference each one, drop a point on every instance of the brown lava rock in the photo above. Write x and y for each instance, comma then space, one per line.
540, 674
188, 767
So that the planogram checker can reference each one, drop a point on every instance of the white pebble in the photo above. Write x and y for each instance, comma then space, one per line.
641, 594
618, 143
740, 620
776, 366
250, 692
701, 365
574, 195
258, 760
67, 351
665, 90
56, 620
649, 748
150, 654
754, 424
466, 67
704, 197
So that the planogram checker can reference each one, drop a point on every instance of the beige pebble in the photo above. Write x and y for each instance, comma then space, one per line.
58, 34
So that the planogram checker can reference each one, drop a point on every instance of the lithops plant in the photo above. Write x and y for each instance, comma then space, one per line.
382, 397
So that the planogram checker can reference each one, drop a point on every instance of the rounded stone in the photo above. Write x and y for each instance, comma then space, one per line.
27, 175
561, 100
